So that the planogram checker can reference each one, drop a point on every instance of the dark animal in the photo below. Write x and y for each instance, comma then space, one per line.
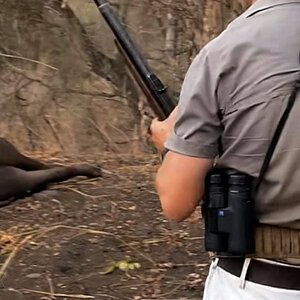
21, 176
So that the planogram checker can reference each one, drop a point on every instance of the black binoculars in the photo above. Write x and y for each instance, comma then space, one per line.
229, 212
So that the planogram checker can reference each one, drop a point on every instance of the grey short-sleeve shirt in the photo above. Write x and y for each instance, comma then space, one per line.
235, 90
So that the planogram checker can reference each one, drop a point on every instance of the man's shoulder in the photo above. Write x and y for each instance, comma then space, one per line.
228, 36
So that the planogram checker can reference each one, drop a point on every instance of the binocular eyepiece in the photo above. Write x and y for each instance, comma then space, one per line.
229, 212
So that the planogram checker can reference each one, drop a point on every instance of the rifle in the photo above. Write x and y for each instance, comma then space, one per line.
155, 91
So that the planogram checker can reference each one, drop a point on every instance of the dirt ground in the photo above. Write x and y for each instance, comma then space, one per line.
100, 239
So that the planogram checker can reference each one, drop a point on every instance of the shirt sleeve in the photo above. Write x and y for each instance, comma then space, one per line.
197, 127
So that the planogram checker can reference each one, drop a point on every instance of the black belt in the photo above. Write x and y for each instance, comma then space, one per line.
260, 272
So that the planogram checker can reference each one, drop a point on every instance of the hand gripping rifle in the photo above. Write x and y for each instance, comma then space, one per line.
159, 100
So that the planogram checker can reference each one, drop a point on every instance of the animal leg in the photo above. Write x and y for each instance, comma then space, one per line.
10, 156
16, 183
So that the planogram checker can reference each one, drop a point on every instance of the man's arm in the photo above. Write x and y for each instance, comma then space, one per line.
180, 179
180, 184
193, 142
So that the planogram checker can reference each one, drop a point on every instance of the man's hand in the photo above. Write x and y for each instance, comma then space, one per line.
160, 130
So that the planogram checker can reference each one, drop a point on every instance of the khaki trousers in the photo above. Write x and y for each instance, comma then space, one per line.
221, 285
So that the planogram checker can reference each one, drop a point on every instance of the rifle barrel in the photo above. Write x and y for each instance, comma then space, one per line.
150, 80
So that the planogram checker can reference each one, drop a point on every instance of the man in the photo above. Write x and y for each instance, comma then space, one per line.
236, 89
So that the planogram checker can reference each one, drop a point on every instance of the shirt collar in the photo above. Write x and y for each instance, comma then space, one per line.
260, 5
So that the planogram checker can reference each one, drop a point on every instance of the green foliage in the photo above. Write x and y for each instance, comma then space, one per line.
125, 265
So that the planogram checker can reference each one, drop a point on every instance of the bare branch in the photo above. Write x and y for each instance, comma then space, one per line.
28, 59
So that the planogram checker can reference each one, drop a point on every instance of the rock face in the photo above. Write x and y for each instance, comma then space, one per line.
63, 86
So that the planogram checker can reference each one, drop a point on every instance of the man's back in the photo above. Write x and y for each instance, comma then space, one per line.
258, 61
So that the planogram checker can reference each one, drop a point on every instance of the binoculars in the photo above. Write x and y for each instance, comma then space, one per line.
229, 212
